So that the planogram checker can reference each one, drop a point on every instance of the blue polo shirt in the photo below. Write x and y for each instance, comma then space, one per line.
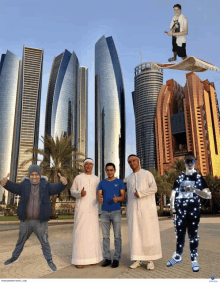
109, 189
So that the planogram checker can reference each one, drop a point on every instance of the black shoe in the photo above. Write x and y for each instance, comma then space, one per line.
115, 263
51, 265
106, 262
10, 261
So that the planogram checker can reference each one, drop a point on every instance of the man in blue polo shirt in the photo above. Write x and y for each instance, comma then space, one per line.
111, 192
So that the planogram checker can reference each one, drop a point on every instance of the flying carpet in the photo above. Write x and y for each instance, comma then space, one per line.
189, 64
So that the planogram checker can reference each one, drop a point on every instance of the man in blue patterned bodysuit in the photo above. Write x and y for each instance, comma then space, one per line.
185, 210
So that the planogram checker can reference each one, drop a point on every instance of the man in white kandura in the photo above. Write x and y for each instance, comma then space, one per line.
86, 236
143, 225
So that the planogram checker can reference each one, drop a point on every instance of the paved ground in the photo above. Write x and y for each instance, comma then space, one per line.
32, 264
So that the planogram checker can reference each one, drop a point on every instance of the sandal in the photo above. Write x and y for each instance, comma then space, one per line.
171, 59
79, 266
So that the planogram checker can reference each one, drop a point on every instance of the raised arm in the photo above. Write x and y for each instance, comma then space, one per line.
11, 186
56, 189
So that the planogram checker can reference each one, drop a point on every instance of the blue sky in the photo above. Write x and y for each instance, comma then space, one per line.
134, 26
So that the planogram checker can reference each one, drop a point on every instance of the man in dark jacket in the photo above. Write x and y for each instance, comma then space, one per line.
34, 210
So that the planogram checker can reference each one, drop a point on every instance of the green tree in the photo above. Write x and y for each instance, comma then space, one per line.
163, 187
59, 156
213, 183
166, 181
179, 166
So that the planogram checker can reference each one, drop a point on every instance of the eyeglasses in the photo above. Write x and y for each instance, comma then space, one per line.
187, 161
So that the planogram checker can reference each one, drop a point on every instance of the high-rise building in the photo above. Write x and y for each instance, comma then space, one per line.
83, 110
62, 97
9, 78
27, 124
148, 82
188, 119
109, 109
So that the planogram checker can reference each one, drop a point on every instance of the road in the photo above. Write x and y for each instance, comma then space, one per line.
32, 264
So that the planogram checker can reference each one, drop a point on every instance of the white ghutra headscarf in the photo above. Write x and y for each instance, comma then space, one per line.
88, 160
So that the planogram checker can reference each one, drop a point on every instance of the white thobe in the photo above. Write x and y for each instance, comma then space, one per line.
143, 225
86, 235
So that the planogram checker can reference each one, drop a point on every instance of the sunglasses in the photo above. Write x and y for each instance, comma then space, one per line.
187, 161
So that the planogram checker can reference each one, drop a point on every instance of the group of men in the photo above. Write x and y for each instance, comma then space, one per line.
141, 213
34, 211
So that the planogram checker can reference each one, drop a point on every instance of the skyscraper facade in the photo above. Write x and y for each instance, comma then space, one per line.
62, 97
9, 78
148, 82
188, 119
109, 109
83, 110
27, 124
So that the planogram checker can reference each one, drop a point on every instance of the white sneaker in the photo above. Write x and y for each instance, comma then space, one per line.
135, 264
150, 265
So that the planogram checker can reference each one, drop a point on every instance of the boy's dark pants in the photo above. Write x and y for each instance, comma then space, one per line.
187, 216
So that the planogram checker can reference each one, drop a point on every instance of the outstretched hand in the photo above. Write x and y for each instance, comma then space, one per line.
169, 32
5, 180
136, 193
63, 180
83, 192
115, 199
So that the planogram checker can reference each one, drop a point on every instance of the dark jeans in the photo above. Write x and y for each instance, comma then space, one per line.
181, 50
114, 217
187, 216
26, 228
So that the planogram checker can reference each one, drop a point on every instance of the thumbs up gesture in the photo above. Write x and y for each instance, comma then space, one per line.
5, 180
136, 193
63, 180
115, 199
83, 192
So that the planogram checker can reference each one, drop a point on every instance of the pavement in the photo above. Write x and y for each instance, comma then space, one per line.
32, 264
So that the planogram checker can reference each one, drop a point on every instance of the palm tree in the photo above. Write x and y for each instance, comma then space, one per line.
163, 187
59, 156
166, 181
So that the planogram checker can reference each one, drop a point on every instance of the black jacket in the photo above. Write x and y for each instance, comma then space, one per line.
45, 190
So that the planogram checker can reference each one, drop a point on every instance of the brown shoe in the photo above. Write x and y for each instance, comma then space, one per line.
79, 266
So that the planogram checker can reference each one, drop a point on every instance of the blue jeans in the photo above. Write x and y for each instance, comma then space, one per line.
114, 217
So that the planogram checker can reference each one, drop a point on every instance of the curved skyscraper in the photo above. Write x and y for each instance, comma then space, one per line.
62, 97
109, 109
9, 73
148, 82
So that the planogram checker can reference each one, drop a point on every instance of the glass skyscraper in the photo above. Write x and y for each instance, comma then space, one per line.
9, 77
27, 124
62, 97
148, 82
83, 110
109, 109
